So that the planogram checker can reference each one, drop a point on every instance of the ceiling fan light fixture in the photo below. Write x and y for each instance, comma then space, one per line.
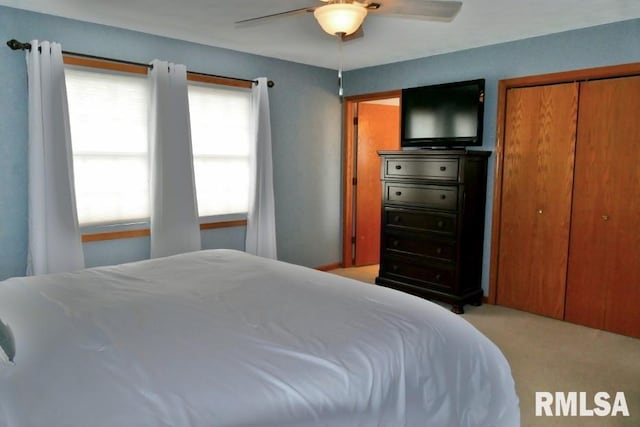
340, 18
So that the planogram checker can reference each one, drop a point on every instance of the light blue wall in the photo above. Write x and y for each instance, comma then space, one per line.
109, 252
306, 122
611, 44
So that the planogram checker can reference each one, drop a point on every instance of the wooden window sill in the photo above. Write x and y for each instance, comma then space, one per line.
146, 232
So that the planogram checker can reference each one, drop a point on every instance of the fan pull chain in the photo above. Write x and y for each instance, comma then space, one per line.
340, 90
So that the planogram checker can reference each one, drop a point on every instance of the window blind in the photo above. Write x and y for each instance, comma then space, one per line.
220, 119
108, 118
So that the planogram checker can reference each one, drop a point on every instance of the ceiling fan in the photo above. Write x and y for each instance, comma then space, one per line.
344, 18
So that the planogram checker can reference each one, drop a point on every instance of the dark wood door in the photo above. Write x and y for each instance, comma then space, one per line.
378, 129
539, 144
603, 287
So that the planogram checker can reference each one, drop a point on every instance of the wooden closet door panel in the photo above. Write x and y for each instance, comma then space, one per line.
540, 131
603, 288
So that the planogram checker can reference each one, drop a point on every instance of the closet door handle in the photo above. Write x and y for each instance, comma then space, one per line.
605, 217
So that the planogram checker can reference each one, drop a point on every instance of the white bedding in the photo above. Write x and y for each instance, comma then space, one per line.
222, 338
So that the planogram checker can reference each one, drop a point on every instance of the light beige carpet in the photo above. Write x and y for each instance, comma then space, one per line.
555, 356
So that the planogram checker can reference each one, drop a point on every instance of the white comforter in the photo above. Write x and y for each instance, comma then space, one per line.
221, 338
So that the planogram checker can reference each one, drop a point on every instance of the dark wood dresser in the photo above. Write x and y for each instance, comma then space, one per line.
432, 228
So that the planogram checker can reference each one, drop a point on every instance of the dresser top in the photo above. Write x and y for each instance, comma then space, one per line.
436, 152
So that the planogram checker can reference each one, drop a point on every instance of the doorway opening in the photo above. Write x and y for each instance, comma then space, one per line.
371, 124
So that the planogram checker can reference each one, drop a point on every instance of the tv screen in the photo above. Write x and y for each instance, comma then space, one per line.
445, 115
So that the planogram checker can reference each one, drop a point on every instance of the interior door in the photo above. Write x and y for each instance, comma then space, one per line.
603, 288
378, 129
539, 147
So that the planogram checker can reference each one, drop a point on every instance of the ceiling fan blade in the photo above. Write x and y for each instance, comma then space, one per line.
355, 35
266, 18
418, 9
370, 5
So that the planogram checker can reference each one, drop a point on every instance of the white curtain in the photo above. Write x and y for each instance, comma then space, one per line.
174, 211
55, 243
261, 219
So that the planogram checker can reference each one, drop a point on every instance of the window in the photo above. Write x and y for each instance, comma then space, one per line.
108, 114
108, 120
220, 118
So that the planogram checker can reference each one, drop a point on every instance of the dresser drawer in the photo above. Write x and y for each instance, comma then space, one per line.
430, 196
436, 169
444, 224
421, 245
416, 271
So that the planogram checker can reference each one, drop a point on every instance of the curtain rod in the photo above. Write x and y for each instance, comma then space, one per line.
16, 45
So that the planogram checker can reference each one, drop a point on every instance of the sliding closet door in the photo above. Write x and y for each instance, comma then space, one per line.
539, 143
603, 288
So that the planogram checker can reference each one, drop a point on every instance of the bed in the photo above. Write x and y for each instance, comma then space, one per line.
223, 338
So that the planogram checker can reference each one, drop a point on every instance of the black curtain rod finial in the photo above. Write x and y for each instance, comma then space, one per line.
16, 45
270, 83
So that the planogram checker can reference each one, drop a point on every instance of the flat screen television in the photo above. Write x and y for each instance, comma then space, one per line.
447, 115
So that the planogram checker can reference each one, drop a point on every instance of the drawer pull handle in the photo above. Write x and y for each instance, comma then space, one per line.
395, 243
439, 251
605, 217
440, 224
397, 219
398, 167
443, 196
398, 193
394, 267
443, 168
438, 277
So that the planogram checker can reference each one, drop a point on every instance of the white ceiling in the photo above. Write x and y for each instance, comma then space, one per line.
299, 38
